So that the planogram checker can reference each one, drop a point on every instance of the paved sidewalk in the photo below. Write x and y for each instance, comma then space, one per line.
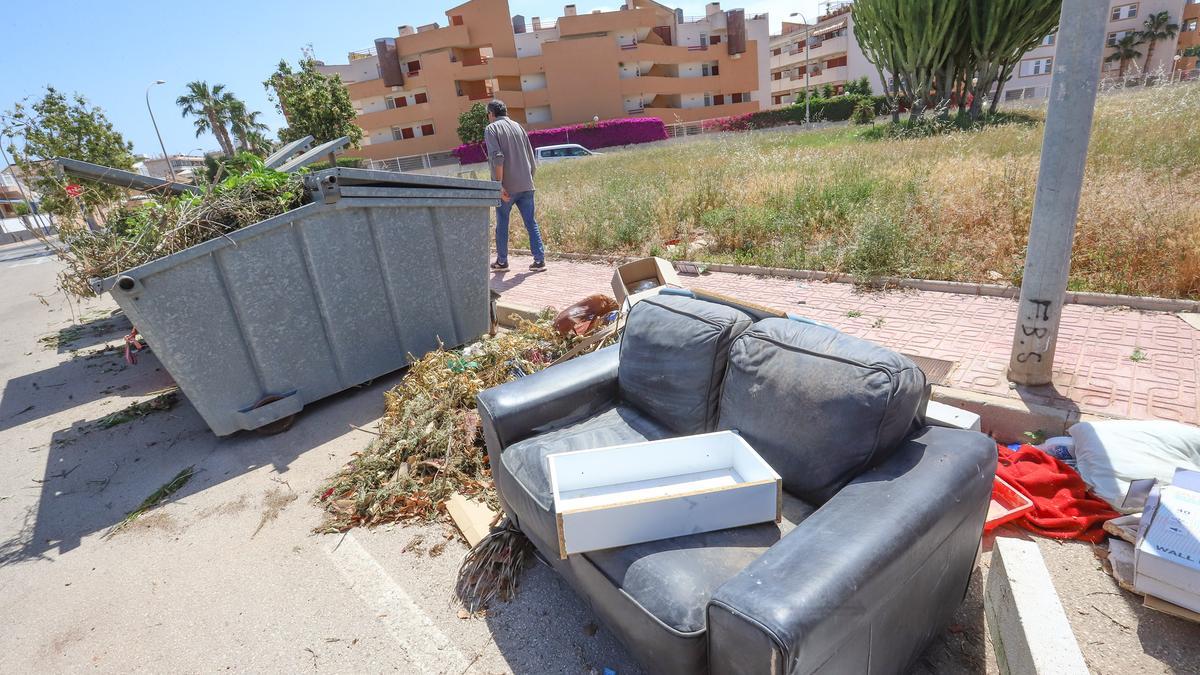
1111, 361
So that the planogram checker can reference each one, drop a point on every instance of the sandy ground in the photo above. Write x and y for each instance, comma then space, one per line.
228, 575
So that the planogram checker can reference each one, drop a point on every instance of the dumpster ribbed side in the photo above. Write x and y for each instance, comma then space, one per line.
312, 302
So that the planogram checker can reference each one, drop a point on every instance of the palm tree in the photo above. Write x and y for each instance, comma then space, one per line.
1126, 51
244, 123
1157, 27
207, 105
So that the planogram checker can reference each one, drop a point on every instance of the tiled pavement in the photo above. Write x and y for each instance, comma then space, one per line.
1095, 371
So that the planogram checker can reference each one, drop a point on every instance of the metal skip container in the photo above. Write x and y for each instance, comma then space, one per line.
257, 324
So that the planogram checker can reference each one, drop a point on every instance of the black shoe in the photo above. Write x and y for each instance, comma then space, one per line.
499, 266
538, 267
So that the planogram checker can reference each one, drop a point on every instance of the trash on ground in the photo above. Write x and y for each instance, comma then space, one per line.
474, 519
1110, 454
638, 492
582, 317
1167, 556
1063, 508
491, 570
157, 497
163, 401
430, 445
1007, 505
639, 279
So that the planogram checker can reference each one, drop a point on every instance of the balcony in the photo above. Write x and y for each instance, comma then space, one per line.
486, 69
667, 85
676, 115
512, 99
368, 89
382, 119
608, 22
427, 41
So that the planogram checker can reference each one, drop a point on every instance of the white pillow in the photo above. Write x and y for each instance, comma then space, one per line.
1111, 453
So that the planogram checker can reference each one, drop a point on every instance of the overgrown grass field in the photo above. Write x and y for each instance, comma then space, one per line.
955, 206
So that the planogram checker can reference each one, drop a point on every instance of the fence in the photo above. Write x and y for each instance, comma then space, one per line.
19, 228
429, 160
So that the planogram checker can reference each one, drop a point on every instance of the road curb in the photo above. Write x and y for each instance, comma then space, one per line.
1029, 629
1143, 303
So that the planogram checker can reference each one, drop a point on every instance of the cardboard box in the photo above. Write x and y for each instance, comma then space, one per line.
1167, 558
628, 494
628, 276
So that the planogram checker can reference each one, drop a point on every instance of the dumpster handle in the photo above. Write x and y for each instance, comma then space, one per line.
253, 418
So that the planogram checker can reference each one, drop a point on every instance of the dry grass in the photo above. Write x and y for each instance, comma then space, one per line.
955, 206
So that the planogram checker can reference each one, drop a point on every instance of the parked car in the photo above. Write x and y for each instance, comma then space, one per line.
554, 153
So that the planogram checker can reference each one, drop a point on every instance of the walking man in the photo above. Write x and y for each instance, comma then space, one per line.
511, 158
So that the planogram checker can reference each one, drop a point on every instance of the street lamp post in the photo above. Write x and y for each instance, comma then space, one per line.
170, 169
1174, 66
807, 91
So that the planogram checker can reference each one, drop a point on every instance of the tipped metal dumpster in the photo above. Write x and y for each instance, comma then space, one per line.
255, 325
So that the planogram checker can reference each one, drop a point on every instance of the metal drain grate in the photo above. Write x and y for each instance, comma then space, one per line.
937, 371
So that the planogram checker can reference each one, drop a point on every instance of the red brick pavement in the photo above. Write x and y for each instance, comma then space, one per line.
1094, 368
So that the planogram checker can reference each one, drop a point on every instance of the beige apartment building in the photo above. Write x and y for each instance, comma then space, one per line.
1031, 78
1189, 37
643, 60
831, 57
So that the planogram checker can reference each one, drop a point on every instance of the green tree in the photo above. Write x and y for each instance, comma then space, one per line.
1125, 51
1157, 27
940, 49
827, 92
209, 107
62, 126
244, 124
314, 104
472, 123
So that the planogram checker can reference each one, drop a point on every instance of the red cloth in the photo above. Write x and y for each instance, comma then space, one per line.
1063, 508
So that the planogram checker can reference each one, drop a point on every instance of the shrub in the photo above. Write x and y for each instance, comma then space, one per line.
603, 134
828, 91
864, 112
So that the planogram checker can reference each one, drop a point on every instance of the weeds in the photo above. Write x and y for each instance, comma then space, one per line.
953, 205
157, 497
164, 401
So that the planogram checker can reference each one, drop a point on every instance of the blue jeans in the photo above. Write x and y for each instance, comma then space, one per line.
524, 203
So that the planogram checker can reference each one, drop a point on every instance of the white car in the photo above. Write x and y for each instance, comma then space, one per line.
554, 153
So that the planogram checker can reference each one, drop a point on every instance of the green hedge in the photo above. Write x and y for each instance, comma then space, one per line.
836, 109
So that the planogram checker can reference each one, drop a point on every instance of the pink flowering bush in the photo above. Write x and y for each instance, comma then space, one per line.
593, 136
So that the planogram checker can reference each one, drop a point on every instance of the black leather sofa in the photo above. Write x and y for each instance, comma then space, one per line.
882, 514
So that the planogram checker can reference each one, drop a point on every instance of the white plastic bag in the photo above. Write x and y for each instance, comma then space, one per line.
1111, 453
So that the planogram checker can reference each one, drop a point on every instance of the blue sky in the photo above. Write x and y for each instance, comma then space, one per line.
109, 51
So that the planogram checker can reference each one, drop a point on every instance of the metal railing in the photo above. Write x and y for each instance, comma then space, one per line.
429, 160
362, 54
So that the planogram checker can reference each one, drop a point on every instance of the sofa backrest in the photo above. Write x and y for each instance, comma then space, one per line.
820, 406
673, 355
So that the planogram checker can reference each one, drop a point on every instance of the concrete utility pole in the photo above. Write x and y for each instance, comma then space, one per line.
1060, 180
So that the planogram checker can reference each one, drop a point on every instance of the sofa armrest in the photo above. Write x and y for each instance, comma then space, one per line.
570, 390
872, 575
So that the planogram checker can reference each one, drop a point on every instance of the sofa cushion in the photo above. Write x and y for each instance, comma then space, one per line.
673, 579
616, 425
820, 406
673, 356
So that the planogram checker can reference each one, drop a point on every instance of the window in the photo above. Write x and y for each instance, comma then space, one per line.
1113, 38
456, 20
777, 52
426, 129
777, 76
778, 100
422, 97
1124, 11
1049, 40
389, 102
834, 63
1031, 67
719, 99
708, 100
1190, 25
413, 67
576, 152
714, 40
401, 101
397, 133
407, 133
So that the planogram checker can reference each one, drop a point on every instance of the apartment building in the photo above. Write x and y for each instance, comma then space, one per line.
1031, 78
10, 192
1189, 38
183, 166
642, 60
830, 57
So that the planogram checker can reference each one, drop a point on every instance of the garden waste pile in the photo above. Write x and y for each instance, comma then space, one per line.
430, 444
134, 235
